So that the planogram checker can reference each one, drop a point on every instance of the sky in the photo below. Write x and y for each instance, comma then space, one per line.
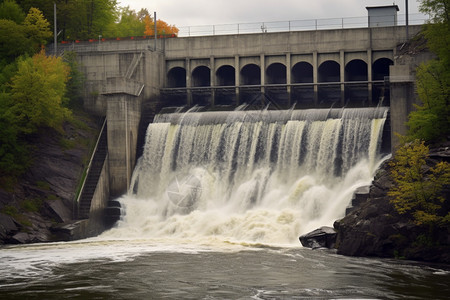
216, 12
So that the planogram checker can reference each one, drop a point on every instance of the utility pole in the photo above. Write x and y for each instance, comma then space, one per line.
55, 43
156, 34
407, 20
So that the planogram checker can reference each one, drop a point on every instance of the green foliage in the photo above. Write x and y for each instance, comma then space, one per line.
13, 41
417, 189
10, 10
37, 91
76, 80
431, 120
37, 28
130, 24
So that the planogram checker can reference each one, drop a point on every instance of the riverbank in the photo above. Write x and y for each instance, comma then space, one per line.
43, 197
374, 227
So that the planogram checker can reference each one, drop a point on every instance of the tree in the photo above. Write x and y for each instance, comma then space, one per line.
161, 27
37, 28
13, 41
37, 91
417, 189
10, 10
431, 121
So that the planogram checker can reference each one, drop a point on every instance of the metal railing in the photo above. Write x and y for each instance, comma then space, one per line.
295, 25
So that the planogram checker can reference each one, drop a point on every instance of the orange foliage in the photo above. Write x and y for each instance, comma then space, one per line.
161, 27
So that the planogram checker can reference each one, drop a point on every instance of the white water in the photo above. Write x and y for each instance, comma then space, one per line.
249, 176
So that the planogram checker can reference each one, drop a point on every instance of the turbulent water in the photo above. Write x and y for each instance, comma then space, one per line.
249, 176
215, 210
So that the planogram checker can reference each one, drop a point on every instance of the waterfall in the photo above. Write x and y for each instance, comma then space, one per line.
249, 176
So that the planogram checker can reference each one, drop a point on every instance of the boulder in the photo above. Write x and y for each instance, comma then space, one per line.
7, 226
324, 237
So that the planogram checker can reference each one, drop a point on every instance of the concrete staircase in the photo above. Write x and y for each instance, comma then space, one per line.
93, 174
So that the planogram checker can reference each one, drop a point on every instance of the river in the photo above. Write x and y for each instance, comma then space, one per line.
155, 269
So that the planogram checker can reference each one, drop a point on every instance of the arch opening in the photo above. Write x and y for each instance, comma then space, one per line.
276, 74
380, 68
226, 76
201, 76
176, 78
302, 72
329, 71
356, 70
250, 75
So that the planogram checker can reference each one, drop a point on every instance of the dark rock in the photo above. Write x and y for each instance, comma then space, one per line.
8, 226
20, 238
374, 228
324, 237
59, 211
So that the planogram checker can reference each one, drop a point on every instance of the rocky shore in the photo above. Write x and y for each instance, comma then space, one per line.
372, 227
42, 200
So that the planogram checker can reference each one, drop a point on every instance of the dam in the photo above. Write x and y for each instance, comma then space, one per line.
131, 81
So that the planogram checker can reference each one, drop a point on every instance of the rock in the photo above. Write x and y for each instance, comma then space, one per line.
59, 211
21, 238
7, 226
324, 237
374, 228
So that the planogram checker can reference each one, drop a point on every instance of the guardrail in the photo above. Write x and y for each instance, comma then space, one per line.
295, 25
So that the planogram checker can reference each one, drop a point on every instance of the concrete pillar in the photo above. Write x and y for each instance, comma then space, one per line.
315, 78
123, 115
342, 75
263, 72
188, 82
237, 77
369, 77
213, 80
402, 100
288, 77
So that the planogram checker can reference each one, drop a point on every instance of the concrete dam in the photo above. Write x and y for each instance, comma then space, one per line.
130, 81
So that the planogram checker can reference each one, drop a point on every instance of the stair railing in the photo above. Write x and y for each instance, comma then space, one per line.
86, 173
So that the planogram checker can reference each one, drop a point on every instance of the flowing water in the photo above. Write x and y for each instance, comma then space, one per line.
216, 205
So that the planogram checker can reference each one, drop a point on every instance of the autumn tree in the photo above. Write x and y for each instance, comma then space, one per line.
161, 27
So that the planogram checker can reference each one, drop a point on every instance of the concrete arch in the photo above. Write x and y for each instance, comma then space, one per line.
329, 71
302, 72
226, 76
201, 76
380, 68
356, 70
250, 75
276, 74
176, 77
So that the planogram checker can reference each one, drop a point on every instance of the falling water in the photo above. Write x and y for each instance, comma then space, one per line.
249, 176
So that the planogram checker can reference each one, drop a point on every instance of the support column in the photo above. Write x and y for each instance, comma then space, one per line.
123, 114
188, 82
237, 77
263, 72
212, 80
288, 78
315, 78
342, 75
369, 77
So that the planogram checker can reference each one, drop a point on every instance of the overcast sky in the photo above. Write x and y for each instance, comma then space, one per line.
216, 12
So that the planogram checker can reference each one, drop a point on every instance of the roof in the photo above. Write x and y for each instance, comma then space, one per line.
385, 6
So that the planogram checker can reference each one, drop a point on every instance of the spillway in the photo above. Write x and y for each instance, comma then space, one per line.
249, 176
